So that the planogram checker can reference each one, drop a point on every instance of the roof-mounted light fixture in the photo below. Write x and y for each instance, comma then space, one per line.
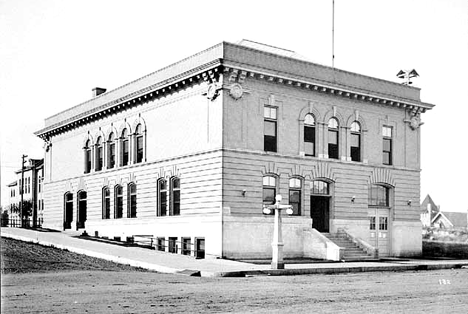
406, 75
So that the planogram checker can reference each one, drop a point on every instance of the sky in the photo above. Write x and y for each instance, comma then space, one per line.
52, 53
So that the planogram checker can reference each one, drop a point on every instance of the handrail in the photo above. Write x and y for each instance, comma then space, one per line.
373, 251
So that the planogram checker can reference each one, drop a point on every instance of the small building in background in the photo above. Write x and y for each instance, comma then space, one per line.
29, 182
433, 216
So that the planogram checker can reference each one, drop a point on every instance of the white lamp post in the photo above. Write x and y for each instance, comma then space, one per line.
277, 244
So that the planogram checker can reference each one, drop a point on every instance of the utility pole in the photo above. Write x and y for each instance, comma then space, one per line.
22, 189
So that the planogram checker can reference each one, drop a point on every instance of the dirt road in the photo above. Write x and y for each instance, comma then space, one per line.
138, 292
130, 291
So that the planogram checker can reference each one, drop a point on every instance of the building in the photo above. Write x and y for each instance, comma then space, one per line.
433, 216
190, 154
29, 183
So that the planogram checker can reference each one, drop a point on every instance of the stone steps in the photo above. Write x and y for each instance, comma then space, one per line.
351, 251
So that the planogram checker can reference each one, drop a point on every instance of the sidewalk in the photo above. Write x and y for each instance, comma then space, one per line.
176, 263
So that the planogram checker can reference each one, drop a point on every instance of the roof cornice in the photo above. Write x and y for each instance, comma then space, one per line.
320, 87
203, 72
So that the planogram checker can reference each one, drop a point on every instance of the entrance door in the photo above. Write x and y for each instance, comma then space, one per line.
68, 214
320, 213
82, 210
379, 230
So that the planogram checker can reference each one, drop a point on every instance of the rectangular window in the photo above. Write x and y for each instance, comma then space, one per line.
162, 198
175, 197
125, 154
99, 156
87, 160
355, 147
270, 130
295, 201
309, 140
176, 202
173, 245
379, 196
118, 202
186, 246
111, 163
387, 145
139, 149
383, 223
372, 223
132, 201
332, 144
161, 244
269, 195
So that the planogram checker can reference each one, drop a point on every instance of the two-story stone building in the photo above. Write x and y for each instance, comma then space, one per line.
190, 153
29, 183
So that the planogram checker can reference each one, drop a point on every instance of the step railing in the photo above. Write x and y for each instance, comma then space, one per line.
369, 249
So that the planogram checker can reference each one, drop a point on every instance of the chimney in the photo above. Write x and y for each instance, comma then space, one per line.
98, 91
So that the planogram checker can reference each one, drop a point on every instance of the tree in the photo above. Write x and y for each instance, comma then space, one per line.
27, 208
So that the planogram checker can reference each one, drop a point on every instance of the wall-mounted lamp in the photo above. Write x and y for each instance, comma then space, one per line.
409, 203
353, 198
243, 192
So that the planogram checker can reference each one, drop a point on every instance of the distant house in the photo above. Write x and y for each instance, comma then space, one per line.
432, 216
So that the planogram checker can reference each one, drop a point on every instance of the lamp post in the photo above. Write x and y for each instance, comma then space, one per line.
277, 244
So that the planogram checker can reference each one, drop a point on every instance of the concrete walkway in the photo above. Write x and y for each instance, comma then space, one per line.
176, 263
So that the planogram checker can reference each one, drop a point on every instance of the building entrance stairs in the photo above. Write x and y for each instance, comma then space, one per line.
352, 252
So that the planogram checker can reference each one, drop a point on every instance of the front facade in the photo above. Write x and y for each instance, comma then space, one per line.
191, 153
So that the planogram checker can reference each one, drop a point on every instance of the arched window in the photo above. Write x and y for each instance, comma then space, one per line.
333, 138
125, 155
99, 154
132, 200
82, 209
111, 151
175, 196
355, 141
269, 190
379, 195
295, 195
139, 153
162, 198
118, 204
87, 157
68, 215
309, 135
105, 203
318, 187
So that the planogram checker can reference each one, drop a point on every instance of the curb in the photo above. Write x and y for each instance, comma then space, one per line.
331, 270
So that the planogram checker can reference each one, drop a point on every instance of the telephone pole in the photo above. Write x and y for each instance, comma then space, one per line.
22, 190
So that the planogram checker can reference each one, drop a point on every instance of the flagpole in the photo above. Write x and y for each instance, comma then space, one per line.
333, 33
